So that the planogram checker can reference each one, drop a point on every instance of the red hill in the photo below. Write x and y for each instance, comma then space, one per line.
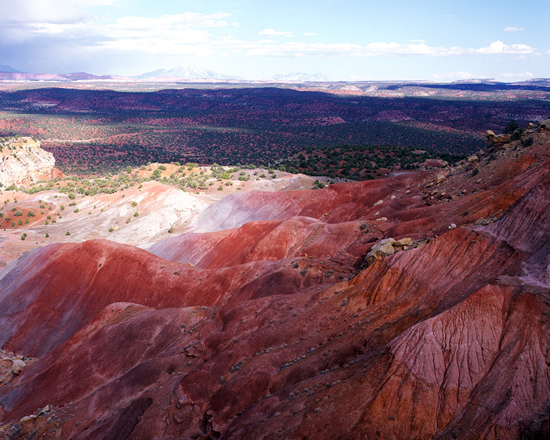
277, 328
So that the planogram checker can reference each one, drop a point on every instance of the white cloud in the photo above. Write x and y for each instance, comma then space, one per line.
187, 20
273, 33
516, 76
62, 23
170, 34
94, 2
513, 29
498, 47
456, 76
376, 49
40, 11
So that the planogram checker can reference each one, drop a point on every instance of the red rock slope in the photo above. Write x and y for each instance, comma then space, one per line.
276, 329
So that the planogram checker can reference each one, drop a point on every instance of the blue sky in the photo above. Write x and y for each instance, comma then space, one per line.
442, 40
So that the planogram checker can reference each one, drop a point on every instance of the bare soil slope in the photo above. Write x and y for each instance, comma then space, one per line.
277, 328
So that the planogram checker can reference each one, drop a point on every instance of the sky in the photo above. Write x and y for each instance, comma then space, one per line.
346, 40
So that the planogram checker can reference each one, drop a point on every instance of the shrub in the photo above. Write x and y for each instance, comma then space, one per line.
510, 127
317, 184
516, 135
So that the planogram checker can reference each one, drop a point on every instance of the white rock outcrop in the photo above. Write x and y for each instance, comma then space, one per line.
22, 160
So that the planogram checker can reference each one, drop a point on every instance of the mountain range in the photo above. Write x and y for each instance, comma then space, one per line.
180, 72
185, 72
8, 73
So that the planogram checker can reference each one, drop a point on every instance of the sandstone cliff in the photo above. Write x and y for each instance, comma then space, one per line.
23, 161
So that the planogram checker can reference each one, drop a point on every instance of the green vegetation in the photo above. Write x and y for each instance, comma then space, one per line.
260, 127
360, 162
318, 185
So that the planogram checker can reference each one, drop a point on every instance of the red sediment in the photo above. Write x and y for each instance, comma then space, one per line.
274, 328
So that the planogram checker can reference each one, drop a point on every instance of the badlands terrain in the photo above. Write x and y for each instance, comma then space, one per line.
40, 205
413, 306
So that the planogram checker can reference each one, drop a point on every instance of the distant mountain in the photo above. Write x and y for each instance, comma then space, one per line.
185, 72
8, 69
15, 75
300, 76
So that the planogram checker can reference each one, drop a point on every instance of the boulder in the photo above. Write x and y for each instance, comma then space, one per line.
545, 125
495, 142
403, 241
503, 139
17, 367
472, 160
380, 250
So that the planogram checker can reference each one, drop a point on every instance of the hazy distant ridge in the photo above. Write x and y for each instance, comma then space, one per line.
300, 76
8, 69
185, 72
